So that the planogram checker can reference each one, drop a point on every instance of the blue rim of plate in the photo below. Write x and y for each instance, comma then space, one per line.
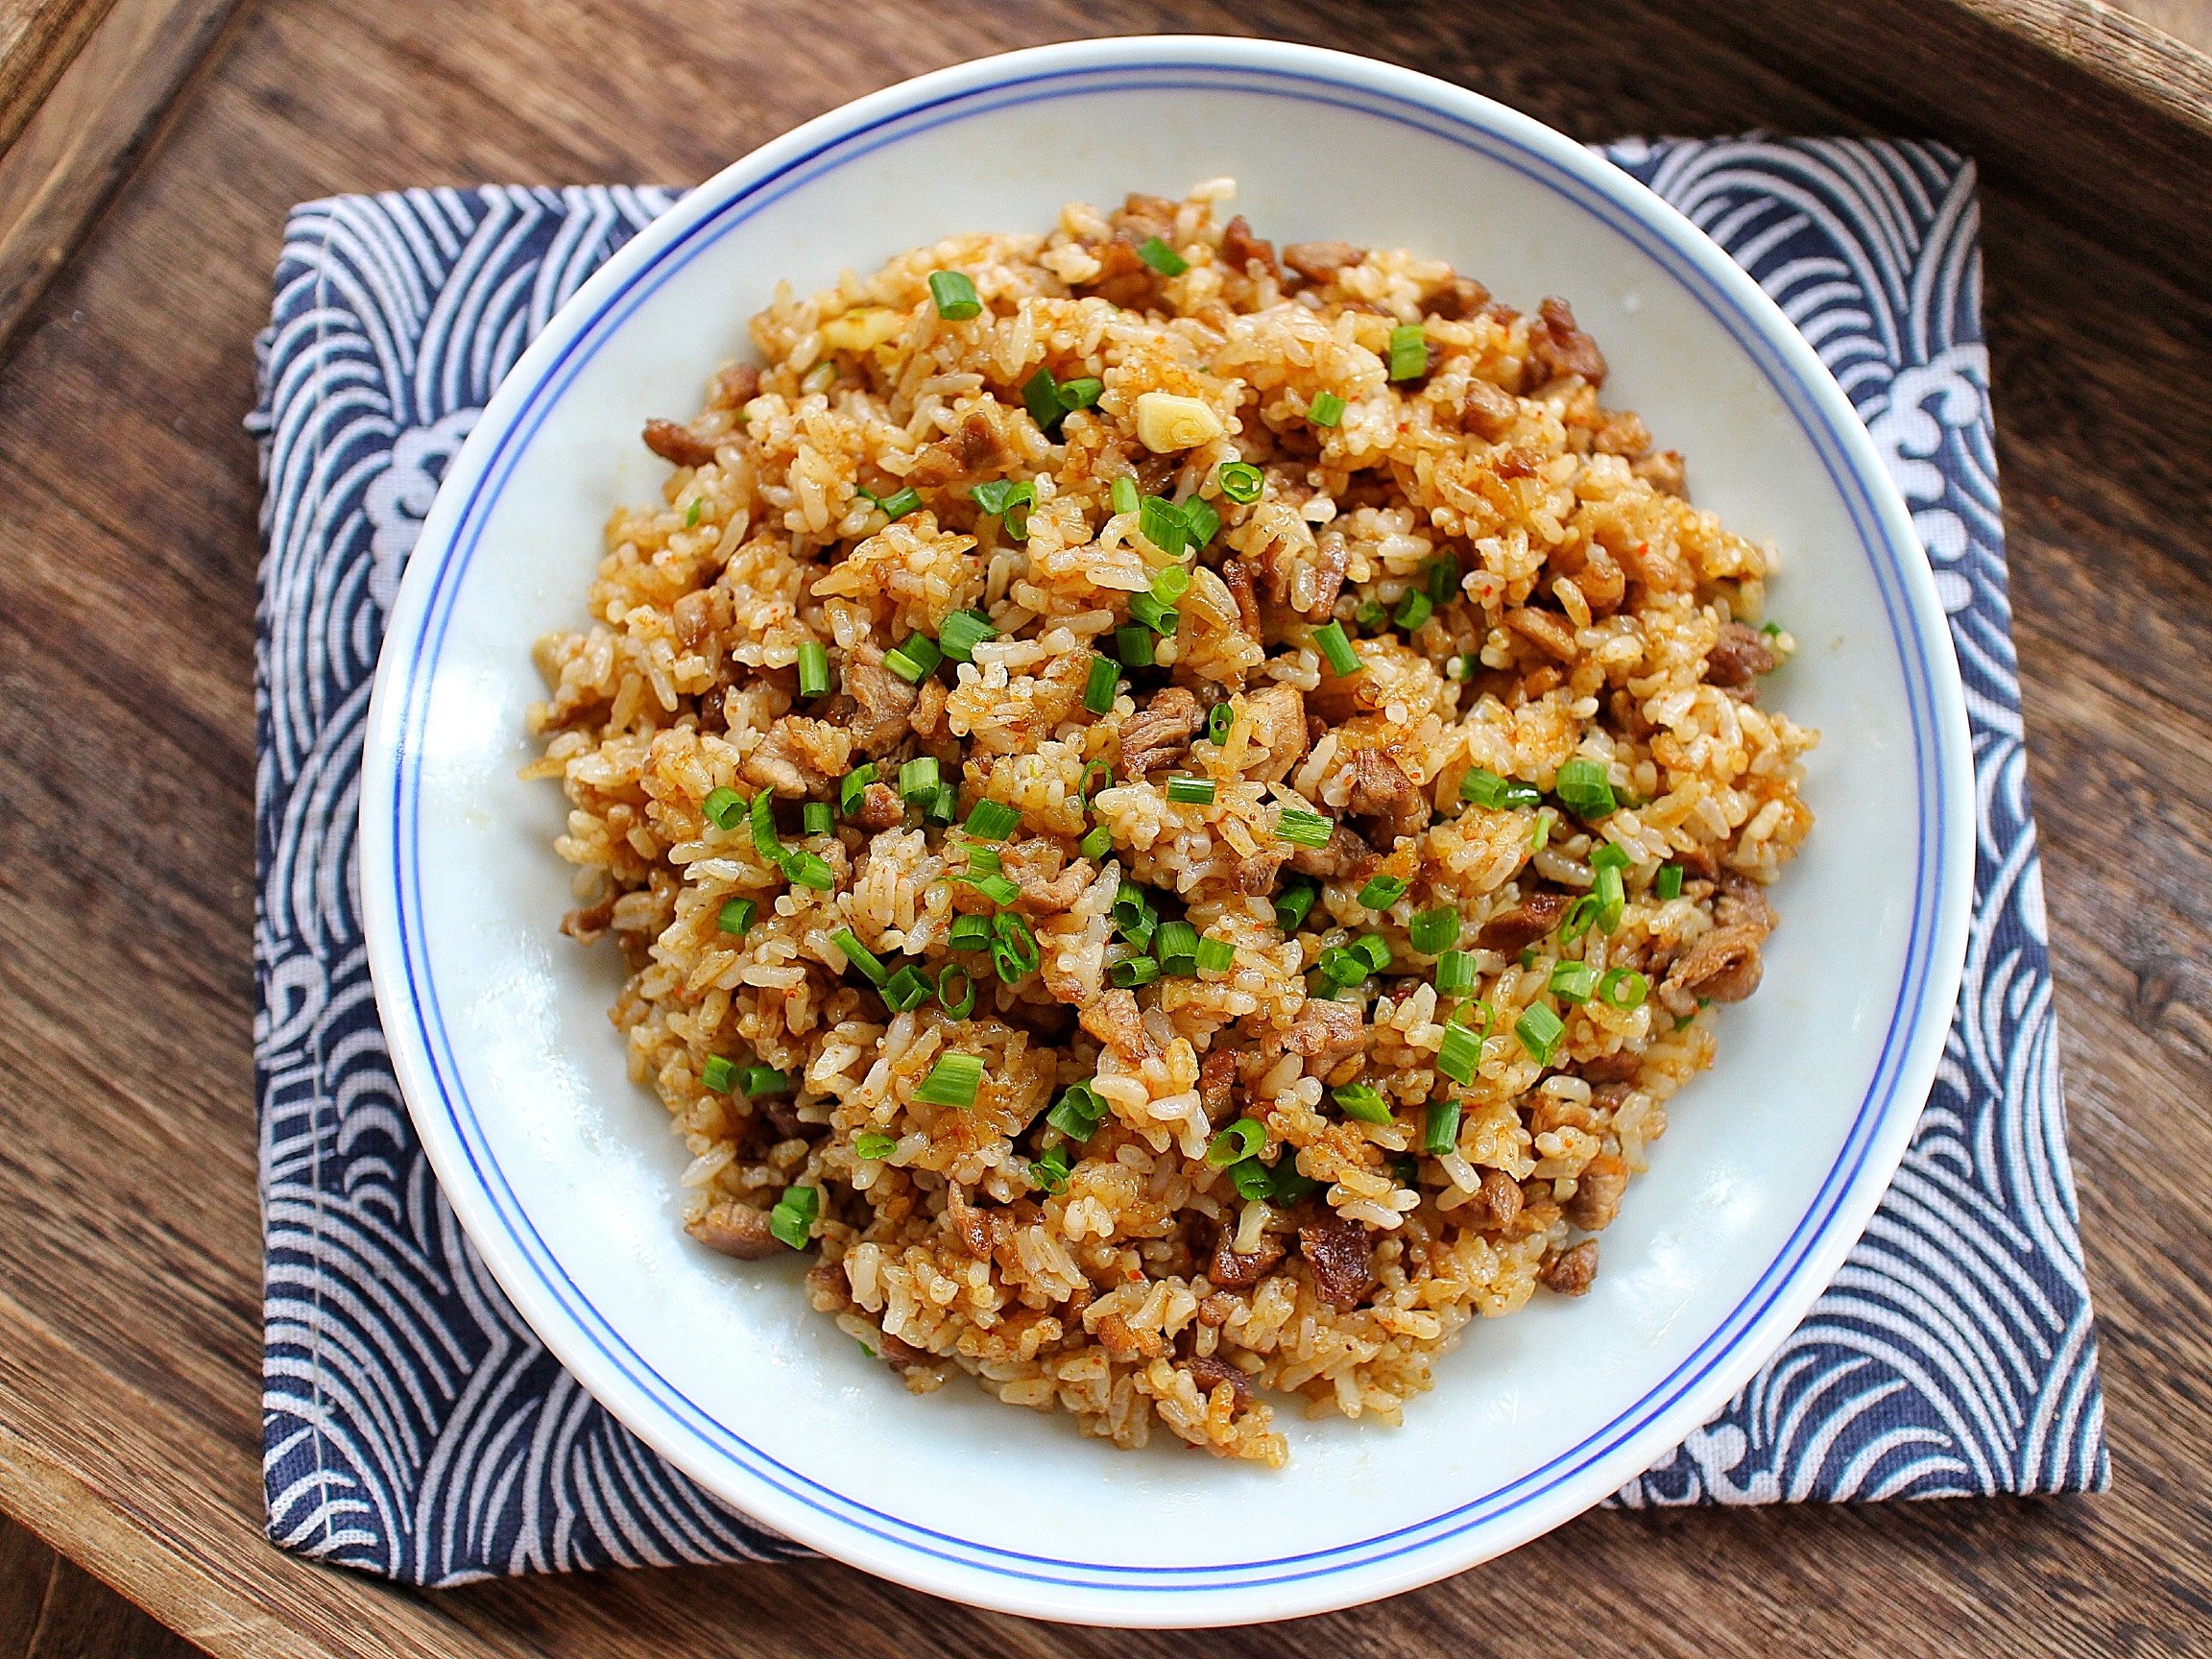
1671, 243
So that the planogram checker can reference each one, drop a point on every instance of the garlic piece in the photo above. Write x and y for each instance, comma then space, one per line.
1167, 423
859, 330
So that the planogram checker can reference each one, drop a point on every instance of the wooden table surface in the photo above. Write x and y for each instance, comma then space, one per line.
129, 1303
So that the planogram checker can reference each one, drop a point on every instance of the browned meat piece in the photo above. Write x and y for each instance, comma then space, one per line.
1621, 1068
1114, 1020
1209, 1371
1499, 1203
784, 1118
1278, 716
736, 1228
880, 809
1123, 277
799, 756
1327, 1032
1739, 656
1743, 904
1722, 966
735, 387
1662, 471
1598, 1193
1519, 462
1215, 1310
1546, 630
1699, 865
587, 924
1379, 786
1146, 216
1342, 1260
1237, 577
1570, 1271
1458, 299
972, 1226
1036, 867
1256, 875
1124, 1345
1218, 1086
1621, 432
1556, 346
928, 709
898, 1354
973, 450
1226, 1270
1488, 411
1602, 581
1549, 1114
1335, 558
882, 701
1239, 247
1320, 261
1344, 854
1512, 931
676, 445
1160, 731
694, 616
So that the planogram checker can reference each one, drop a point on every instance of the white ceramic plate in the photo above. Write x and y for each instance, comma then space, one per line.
562, 1171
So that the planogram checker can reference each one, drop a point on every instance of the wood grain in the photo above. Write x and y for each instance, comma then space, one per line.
51, 1608
130, 1269
37, 39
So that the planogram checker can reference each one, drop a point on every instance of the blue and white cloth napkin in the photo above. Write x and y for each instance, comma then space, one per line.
414, 1427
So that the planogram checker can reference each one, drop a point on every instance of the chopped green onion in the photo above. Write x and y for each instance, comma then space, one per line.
951, 1082
1370, 615
1160, 618
1000, 496
1455, 973
1098, 691
1016, 941
1048, 1169
1771, 630
1669, 884
1442, 580
1241, 482
1381, 892
725, 808
1609, 855
1163, 258
1343, 968
1540, 1031
896, 506
1541, 833
916, 659
908, 989
1123, 493
1488, 790
1135, 972
1288, 1186
962, 631
1529, 957
860, 955
1241, 1140
814, 818
792, 1220
1303, 828
1081, 393
991, 820
1161, 522
1574, 981
1042, 394
1192, 791
1412, 610
1330, 640
1132, 907
718, 1074
1293, 903
1097, 843
1581, 916
1440, 1134
918, 780
1326, 410
968, 933
1134, 646
955, 293
1610, 897
760, 1080
805, 869
944, 806
1374, 948
1461, 1055
1201, 520
1078, 1113
1176, 945
764, 816
1622, 988
819, 378
1251, 1179
1432, 932
1220, 721
691, 517
961, 1006
1581, 784
854, 785
998, 889
1408, 352
1363, 1101
873, 1145
1216, 955
1170, 583
1102, 768
736, 916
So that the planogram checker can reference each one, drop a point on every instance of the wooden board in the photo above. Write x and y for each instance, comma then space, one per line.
37, 39
130, 1268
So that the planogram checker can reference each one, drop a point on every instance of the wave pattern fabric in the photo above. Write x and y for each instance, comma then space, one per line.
413, 1426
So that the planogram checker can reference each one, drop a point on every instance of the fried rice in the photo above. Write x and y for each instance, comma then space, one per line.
1175, 811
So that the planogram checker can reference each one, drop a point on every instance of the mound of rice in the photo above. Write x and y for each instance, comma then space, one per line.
1296, 634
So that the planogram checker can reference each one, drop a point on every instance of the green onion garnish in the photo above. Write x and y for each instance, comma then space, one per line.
968, 933
1160, 618
1161, 522
792, 1220
1455, 973
1288, 1186
1081, 393
983, 860
1251, 1179
1370, 615
961, 1006
860, 955
758, 1080
814, 818
718, 1074
736, 916
1241, 1140
1342, 659
1216, 955
1574, 981
1135, 972
1581, 784
1097, 843
907, 990
944, 806
725, 808
962, 631
1440, 1134
1611, 898
873, 1145
1363, 1101
1326, 410
1668, 884
1609, 855
991, 820
1432, 932
1200, 520
1123, 493
764, 816
1412, 610
1220, 721
1373, 948
1293, 903
1408, 352
951, 1082
1134, 645
1461, 1055
1099, 768
1042, 394
1381, 892
1170, 583
1192, 791
1540, 1031
1581, 916
1163, 258
1771, 630
916, 659
1343, 968
1622, 988
1000, 496
1303, 828
1048, 1169
998, 889
1132, 906
1488, 790
918, 780
1078, 1113
955, 296
1241, 482
1176, 945
1015, 947
1098, 691
805, 869
814, 669
692, 519
1442, 580
853, 785
896, 506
